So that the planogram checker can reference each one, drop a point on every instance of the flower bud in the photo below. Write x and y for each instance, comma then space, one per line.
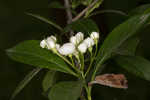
67, 49
79, 36
73, 40
82, 47
53, 37
89, 42
43, 43
94, 35
50, 43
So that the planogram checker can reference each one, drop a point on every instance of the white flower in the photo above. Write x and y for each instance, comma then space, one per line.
89, 42
73, 40
50, 43
82, 47
94, 35
79, 37
53, 37
43, 43
67, 49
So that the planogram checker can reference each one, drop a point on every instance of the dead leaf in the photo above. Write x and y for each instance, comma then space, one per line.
112, 80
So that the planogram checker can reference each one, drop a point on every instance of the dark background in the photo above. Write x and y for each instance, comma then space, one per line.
15, 27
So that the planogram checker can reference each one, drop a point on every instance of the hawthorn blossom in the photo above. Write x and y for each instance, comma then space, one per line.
76, 44
89, 42
77, 38
43, 43
82, 47
51, 42
53, 37
67, 49
94, 35
73, 40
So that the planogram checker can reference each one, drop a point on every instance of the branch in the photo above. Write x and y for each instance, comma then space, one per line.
69, 14
68, 11
84, 11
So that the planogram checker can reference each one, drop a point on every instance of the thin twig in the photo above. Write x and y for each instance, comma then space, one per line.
84, 11
69, 14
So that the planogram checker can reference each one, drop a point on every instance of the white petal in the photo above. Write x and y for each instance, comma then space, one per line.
79, 36
50, 43
43, 43
53, 37
73, 40
82, 47
89, 42
94, 35
67, 49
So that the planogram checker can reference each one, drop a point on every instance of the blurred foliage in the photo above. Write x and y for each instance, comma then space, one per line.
16, 26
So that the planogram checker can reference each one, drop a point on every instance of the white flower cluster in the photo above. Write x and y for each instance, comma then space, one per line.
77, 44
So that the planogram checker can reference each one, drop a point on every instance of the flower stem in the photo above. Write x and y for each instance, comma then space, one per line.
72, 60
92, 59
73, 65
89, 97
82, 63
88, 91
64, 59
100, 64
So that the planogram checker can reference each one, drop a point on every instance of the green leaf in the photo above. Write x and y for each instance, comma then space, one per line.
45, 20
136, 65
49, 80
66, 91
25, 81
140, 10
120, 34
84, 25
30, 52
129, 47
